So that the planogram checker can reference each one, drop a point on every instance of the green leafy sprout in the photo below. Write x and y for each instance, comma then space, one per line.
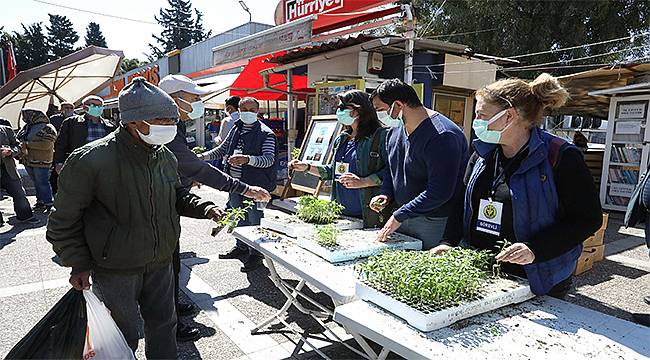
426, 281
295, 153
313, 210
326, 236
199, 149
232, 217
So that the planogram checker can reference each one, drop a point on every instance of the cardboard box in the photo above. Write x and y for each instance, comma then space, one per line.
589, 256
599, 236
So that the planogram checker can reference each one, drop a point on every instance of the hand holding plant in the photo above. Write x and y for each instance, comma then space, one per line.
517, 253
232, 217
378, 203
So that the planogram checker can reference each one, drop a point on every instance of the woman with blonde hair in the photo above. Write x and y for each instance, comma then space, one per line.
530, 197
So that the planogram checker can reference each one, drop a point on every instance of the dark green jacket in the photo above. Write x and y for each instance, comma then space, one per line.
371, 219
118, 206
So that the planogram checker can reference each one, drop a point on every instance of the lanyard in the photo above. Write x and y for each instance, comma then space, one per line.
501, 179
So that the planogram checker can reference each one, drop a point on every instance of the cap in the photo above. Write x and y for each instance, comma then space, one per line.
175, 83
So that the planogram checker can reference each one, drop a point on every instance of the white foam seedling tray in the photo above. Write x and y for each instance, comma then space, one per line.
291, 226
355, 244
516, 292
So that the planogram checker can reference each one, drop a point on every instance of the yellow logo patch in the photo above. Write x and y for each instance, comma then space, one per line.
490, 211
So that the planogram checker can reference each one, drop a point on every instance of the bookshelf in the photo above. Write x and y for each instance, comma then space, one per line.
626, 149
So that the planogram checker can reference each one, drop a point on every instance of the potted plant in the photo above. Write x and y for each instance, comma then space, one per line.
232, 218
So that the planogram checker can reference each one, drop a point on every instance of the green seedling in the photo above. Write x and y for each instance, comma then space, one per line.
232, 218
313, 210
426, 281
326, 236
295, 153
500, 246
199, 149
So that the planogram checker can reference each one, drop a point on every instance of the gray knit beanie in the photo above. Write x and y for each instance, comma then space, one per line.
142, 100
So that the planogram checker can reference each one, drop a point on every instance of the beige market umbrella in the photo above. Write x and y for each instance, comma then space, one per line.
70, 78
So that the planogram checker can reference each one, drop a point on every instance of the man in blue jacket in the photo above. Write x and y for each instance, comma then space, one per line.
427, 156
187, 96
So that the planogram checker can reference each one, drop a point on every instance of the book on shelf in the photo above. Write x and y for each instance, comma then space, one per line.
621, 175
626, 155
617, 200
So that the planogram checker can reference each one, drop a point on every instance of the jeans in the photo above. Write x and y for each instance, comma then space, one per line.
150, 295
15, 189
41, 178
431, 230
253, 217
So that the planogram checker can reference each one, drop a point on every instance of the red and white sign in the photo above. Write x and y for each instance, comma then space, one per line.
297, 9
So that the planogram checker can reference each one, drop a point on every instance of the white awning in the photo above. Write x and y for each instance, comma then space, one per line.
70, 78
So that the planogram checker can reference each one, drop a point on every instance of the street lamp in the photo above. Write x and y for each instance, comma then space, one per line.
243, 5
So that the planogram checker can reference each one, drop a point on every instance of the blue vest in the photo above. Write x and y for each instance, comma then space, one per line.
253, 141
534, 207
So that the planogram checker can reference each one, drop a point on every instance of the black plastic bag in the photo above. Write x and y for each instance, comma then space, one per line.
59, 335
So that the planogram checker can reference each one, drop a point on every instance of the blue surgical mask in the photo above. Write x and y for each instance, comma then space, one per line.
344, 117
248, 117
388, 120
484, 134
234, 115
197, 109
94, 110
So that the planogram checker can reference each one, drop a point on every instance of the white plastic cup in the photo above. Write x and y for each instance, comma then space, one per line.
261, 205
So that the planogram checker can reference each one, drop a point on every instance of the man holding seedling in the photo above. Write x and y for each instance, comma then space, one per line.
427, 156
249, 151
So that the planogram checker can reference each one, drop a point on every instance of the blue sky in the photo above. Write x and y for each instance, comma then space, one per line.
131, 37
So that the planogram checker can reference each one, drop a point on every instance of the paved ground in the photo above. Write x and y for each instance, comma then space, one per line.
231, 302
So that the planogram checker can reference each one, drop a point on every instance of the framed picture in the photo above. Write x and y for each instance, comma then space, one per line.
326, 100
316, 150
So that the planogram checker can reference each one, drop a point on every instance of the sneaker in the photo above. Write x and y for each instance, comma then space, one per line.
252, 263
234, 253
32, 221
186, 309
185, 333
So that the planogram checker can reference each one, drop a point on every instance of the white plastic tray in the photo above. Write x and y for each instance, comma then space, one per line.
519, 292
292, 226
356, 244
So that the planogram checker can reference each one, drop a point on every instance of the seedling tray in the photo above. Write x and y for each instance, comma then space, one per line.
497, 293
291, 226
355, 244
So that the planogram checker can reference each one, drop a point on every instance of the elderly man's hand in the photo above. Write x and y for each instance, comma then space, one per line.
238, 160
80, 281
216, 214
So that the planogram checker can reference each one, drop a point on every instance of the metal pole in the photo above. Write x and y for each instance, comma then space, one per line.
2, 58
292, 132
410, 45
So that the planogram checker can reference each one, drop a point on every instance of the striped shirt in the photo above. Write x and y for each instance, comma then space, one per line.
95, 131
267, 159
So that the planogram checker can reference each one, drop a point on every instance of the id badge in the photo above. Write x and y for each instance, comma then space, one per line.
489, 217
341, 168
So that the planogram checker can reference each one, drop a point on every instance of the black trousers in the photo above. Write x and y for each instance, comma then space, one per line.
54, 180
176, 264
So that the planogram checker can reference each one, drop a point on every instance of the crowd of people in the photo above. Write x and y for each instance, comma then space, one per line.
516, 190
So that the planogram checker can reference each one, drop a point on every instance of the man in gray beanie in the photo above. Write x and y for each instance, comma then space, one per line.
117, 218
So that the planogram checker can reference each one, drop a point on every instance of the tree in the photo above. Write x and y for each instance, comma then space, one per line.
128, 65
61, 36
30, 47
94, 36
510, 27
179, 30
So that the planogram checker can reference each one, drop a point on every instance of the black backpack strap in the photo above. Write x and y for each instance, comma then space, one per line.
373, 163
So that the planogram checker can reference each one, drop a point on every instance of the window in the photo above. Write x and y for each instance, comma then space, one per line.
452, 107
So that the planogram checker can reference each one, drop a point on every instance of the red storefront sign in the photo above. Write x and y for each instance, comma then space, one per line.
332, 14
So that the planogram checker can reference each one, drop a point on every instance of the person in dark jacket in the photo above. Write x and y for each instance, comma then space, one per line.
427, 155
250, 151
638, 210
77, 131
359, 160
191, 169
527, 187
67, 110
37, 139
9, 178
121, 226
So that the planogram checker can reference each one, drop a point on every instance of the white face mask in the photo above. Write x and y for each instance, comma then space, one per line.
158, 134
248, 117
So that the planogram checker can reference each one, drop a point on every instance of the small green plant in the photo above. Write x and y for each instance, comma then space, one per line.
295, 153
426, 281
199, 149
313, 210
500, 246
326, 236
232, 217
